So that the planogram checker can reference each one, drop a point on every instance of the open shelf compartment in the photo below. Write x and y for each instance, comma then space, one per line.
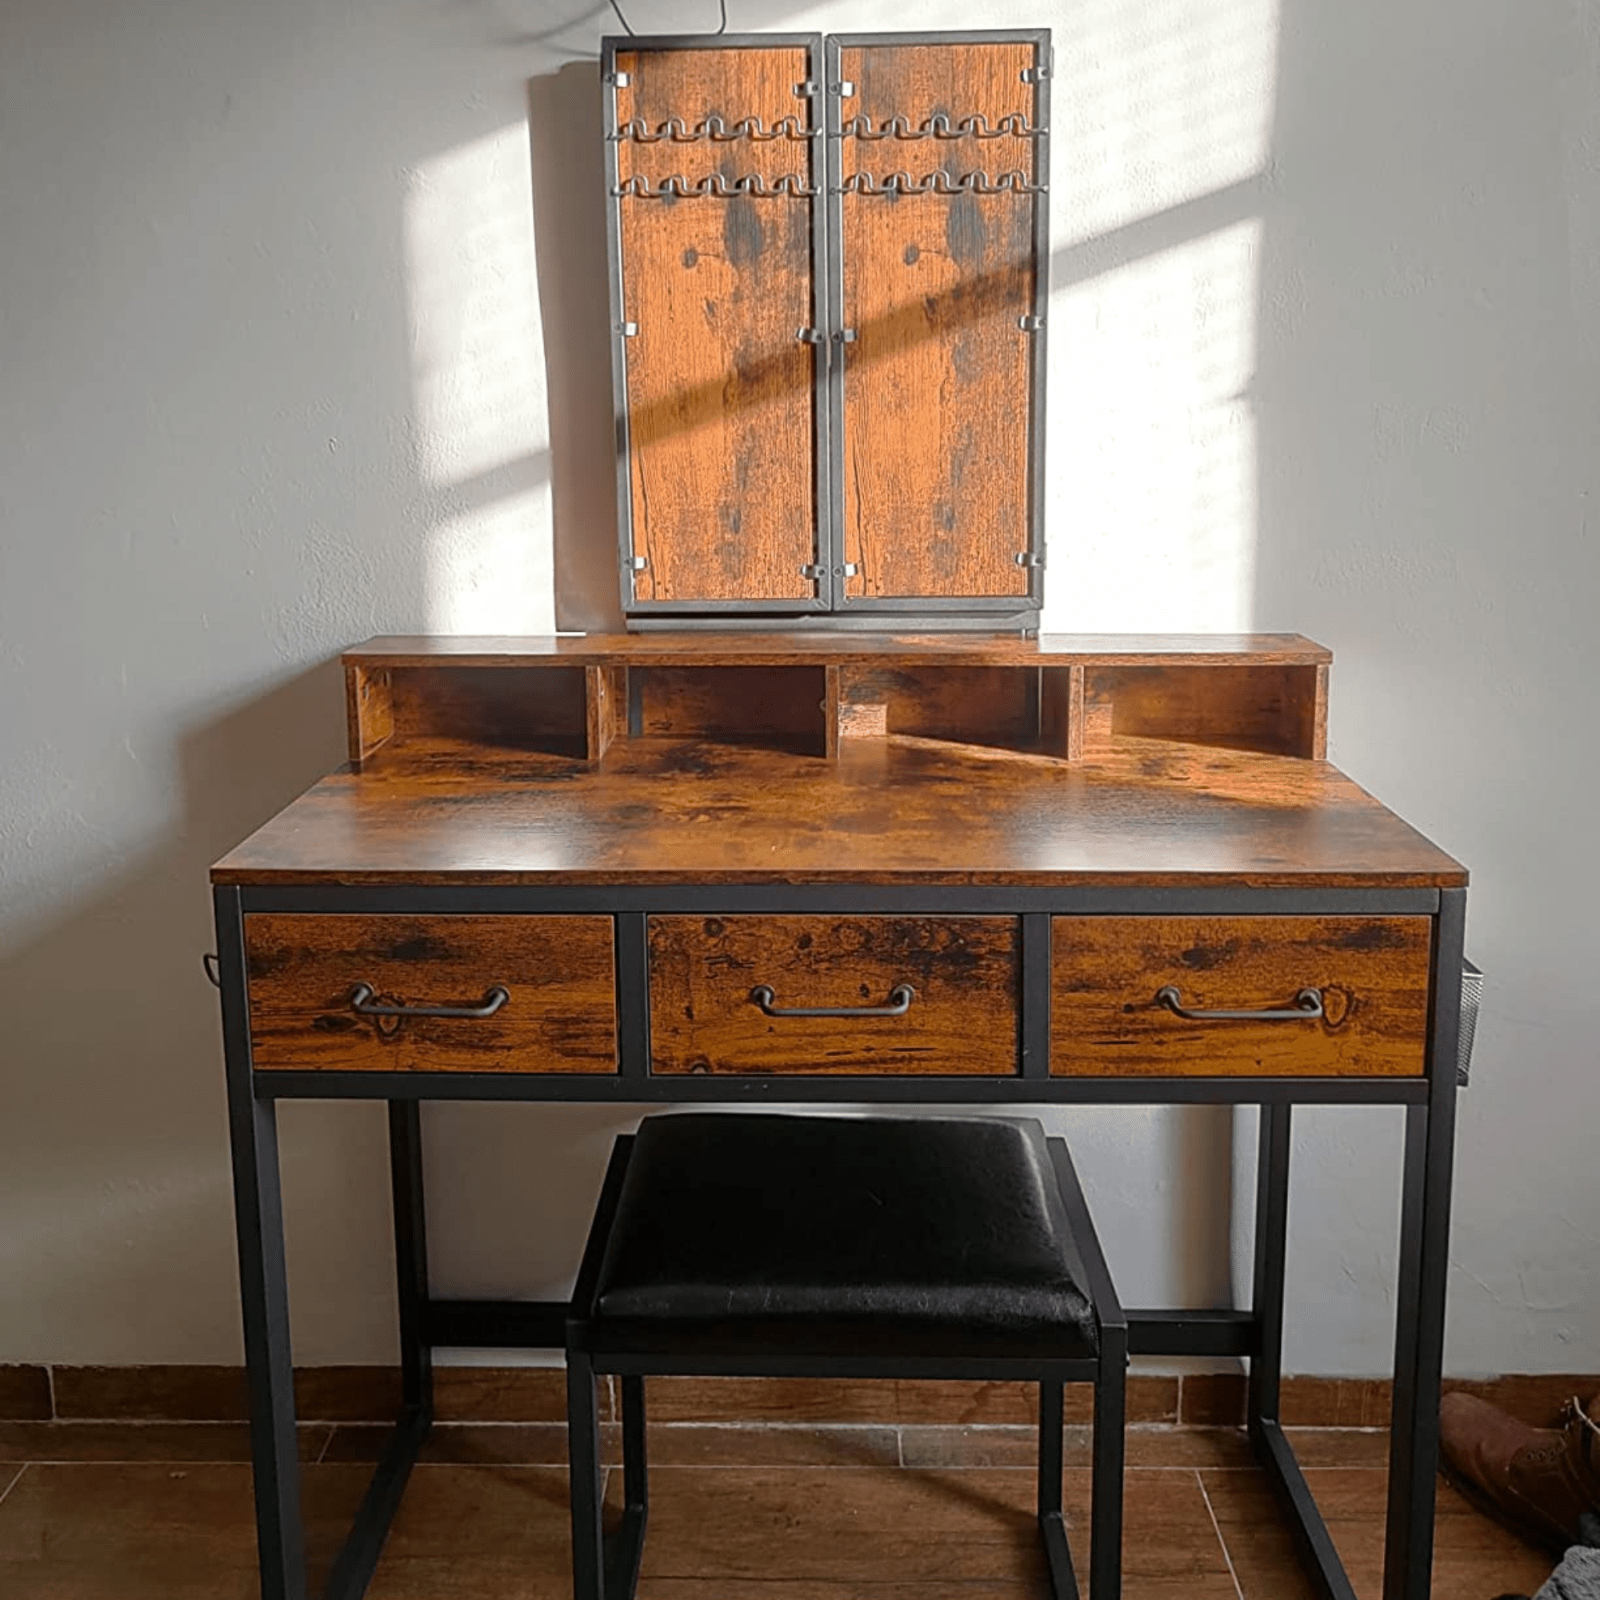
1063, 698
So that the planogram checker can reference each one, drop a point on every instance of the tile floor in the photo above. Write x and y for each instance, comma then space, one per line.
93, 1511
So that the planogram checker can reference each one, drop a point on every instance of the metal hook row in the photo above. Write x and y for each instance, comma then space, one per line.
714, 128
1013, 125
714, 186
677, 187
940, 182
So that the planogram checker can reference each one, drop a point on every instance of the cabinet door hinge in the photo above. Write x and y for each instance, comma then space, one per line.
1030, 558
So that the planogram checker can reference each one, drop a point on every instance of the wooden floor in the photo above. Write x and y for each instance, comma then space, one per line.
162, 1512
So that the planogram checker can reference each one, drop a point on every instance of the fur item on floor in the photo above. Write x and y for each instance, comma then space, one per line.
1578, 1576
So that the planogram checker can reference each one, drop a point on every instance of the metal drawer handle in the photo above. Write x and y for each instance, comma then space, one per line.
361, 1000
900, 998
1307, 1008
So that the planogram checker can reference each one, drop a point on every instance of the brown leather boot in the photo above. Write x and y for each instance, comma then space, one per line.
1538, 1481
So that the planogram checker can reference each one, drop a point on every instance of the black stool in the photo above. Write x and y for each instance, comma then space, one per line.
788, 1246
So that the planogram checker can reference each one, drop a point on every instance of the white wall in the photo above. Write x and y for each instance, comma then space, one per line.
301, 340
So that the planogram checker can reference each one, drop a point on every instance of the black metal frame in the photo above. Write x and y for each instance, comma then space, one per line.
608, 1569
426, 1322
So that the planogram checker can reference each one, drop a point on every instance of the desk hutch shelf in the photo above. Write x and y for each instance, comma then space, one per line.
1060, 697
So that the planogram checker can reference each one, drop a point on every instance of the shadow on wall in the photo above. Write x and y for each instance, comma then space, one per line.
1427, 389
108, 1010
566, 134
1423, 459
103, 1018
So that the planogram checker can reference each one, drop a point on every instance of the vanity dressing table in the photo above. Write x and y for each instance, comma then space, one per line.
820, 829
853, 868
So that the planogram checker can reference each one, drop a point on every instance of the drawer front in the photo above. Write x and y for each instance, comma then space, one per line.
706, 1015
1106, 974
306, 974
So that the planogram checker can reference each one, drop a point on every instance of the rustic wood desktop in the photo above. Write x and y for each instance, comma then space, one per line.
1007, 872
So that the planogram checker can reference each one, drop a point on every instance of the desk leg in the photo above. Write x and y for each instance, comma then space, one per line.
263, 1283
1271, 1444
358, 1559
1424, 1269
1272, 1239
411, 1255
280, 1535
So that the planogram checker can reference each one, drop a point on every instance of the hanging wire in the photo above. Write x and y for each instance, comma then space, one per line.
627, 27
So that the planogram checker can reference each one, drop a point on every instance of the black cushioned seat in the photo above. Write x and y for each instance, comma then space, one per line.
929, 1247
846, 1235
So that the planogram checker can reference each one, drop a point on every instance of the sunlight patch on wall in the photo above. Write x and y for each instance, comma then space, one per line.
474, 308
481, 443
1161, 123
489, 569
1155, 103
1152, 442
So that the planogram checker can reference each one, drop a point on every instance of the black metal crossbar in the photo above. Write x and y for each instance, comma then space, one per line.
354, 1565
1317, 1553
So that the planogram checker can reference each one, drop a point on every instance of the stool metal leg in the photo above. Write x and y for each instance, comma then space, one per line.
636, 1488
1050, 1447
586, 1487
1110, 1422
1052, 1521
626, 1554
1110, 1387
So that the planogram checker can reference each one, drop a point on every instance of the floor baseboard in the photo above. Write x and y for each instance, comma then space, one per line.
38, 1393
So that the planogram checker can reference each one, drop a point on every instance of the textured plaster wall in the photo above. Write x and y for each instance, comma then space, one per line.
300, 323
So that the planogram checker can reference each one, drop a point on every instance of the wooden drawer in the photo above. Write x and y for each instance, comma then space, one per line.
558, 975
1106, 973
705, 1014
